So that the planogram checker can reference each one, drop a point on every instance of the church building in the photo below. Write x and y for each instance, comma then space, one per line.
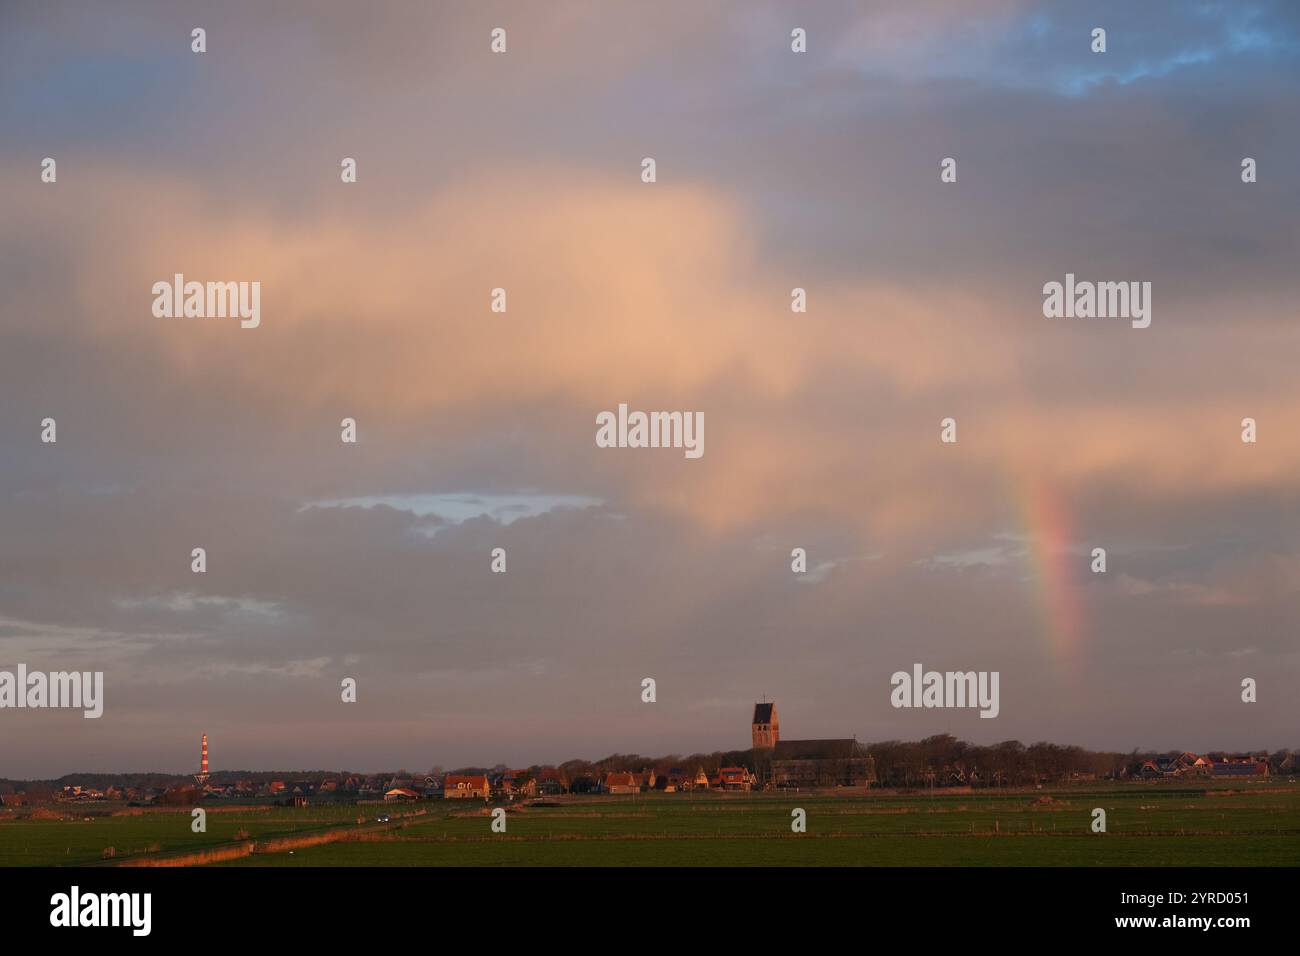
834, 762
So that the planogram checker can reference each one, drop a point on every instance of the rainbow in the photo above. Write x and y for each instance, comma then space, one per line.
1054, 568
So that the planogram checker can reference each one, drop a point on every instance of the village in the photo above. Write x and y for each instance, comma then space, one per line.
771, 764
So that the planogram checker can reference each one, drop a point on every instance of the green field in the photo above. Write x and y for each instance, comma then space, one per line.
1147, 825
83, 838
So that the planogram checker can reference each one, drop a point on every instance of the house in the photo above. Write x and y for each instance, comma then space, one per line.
735, 778
512, 783
1159, 767
621, 783
1240, 765
458, 787
81, 793
519, 783
674, 780
400, 793
1184, 764
550, 781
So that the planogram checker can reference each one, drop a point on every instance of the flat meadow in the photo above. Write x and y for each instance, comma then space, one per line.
1253, 824
69, 834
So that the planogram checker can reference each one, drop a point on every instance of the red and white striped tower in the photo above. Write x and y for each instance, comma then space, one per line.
202, 776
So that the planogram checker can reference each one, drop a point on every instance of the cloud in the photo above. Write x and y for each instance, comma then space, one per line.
776, 170
458, 508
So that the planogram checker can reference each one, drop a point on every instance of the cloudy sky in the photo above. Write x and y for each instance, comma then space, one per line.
775, 170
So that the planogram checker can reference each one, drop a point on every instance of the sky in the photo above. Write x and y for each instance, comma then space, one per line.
476, 430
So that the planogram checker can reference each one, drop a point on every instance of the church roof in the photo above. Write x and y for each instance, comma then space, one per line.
763, 713
829, 749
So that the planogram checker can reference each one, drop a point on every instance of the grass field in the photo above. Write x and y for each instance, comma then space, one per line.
1161, 825
28, 842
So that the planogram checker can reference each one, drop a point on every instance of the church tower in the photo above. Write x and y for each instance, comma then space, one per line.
767, 728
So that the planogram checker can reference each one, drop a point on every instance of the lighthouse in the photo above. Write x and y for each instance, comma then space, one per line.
201, 778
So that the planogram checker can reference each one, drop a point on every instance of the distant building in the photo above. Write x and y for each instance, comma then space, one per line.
735, 778
550, 781
766, 726
833, 762
457, 787
1208, 765
520, 783
1184, 764
674, 780
836, 762
400, 793
621, 783
1239, 765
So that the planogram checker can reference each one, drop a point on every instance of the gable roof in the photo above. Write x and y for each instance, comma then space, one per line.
763, 713
453, 780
